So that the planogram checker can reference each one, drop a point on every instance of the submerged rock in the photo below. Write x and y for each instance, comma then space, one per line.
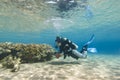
11, 55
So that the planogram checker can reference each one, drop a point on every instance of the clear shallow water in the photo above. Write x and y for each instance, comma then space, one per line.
34, 21
26, 25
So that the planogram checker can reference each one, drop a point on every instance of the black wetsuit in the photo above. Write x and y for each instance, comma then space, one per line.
66, 47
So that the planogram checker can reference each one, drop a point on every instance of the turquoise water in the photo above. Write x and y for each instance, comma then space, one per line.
36, 21
32, 25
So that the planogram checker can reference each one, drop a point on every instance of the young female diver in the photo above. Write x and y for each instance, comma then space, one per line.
68, 48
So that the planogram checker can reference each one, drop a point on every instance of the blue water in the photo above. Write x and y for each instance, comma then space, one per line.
99, 18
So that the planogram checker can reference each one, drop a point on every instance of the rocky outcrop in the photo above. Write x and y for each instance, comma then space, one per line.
11, 54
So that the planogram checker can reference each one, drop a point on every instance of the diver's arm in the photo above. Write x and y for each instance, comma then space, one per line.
65, 56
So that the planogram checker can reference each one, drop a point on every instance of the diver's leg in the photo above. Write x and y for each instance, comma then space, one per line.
79, 55
74, 56
84, 48
69, 53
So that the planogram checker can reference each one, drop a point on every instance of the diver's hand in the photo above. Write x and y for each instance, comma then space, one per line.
57, 54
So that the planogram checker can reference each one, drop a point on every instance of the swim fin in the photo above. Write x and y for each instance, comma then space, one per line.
92, 50
91, 40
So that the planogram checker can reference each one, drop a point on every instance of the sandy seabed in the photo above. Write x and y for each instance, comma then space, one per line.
95, 67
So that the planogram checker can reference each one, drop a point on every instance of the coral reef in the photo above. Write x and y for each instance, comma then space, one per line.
11, 54
12, 63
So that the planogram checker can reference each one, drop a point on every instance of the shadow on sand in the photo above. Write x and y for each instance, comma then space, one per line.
63, 62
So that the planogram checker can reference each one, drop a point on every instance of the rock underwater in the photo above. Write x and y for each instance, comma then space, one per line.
13, 54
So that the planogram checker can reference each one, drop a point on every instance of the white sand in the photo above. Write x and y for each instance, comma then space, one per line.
95, 67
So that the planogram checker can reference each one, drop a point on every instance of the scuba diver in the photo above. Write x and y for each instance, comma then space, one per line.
65, 46
68, 48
